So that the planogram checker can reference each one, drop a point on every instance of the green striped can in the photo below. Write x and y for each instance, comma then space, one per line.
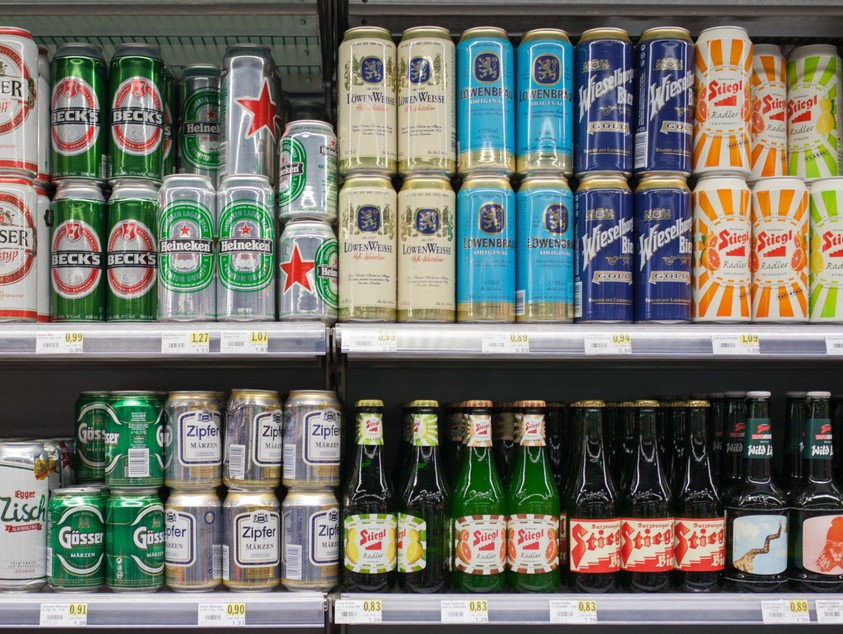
826, 279
134, 440
91, 416
76, 539
135, 540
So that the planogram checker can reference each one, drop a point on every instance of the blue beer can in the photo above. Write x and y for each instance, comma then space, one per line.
544, 81
664, 250
485, 101
603, 230
544, 280
603, 102
486, 250
664, 87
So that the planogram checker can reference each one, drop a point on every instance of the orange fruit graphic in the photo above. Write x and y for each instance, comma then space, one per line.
799, 260
753, 262
513, 552
702, 111
711, 241
757, 123
503, 551
552, 551
464, 552
710, 259
756, 106
745, 111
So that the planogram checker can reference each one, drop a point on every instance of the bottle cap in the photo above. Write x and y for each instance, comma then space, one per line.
818, 395
758, 394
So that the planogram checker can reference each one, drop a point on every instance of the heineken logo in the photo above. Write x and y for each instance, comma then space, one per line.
132, 259
75, 259
293, 165
246, 241
200, 129
186, 247
245, 245
74, 116
137, 116
17, 239
17, 90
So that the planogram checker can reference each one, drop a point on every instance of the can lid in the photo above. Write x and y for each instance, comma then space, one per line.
359, 32
735, 394
662, 181
795, 394
240, 392
77, 490
545, 34
484, 31
813, 49
133, 492
477, 404
423, 404
528, 404
592, 403
766, 49
647, 403
760, 394
137, 49
15, 32
426, 31
665, 32
491, 178
818, 395
372, 402
191, 394
125, 189
174, 180
698, 403
604, 33
316, 123
243, 48
723, 28
200, 70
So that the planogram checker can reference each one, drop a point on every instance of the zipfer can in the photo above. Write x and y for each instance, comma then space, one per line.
42, 107
826, 298
310, 553
18, 237
308, 278
42, 256
193, 546
199, 124
312, 440
192, 441
251, 546
307, 181
76, 539
18, 98
91, 414
253, 445
134, 447
134, 541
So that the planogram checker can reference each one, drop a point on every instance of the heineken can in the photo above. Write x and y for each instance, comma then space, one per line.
308, 262
246, 261
42, 255
134, 542
251, 542
193, 548
187, 207
248, 111
78, 110
168, 155
137, 112
18, 237
132, 252
77, 291
312, 439
199, 128
253, 445
42, 112
310, 552
76, 539
307, 179
134, 440
192, 441
92, 412
18, 102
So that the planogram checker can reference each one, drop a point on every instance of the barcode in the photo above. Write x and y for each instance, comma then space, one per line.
727, 344
213, 617
520, 308
53, 618
495, 344
49, 561
578, 299
640, 150
176, 345
601, 345
289, 460
348, 615
455, 615
138, 463
216, 561
293, 562
226, 573
49, 345
237, 461
832, 614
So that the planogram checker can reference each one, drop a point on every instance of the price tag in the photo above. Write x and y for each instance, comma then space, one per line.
59, 343
473, 611
834, 344
795, 611
193, 342
221, 615
829, 610
573, 611
608, 343
63, 615
505, 343
237, 342
351, 611
369, 341
735, 344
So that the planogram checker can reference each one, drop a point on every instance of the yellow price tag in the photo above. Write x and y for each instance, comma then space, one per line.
622, 339
373, 605
236, 609
74, 337
587, 607
200, 338
257, 337
478, 606
386, 336
749, 340
799, 606
519, 338
77, 609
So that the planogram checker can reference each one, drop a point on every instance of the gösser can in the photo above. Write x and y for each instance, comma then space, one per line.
134, 443
42, 263
312, 440
253, 444
192, 441
193, 547
92, 412
826, 304
18, 99
308, 263
251, 545
768, 121
199, 129
311, 550
76, 539
18, 237
307, 180
134, 541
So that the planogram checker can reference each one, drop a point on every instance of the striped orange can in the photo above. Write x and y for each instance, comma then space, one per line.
768, 124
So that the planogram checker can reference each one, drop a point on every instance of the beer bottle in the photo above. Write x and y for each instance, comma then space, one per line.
423, 525
816, 507
629, 444
454, 448
505, 446
556, 434
403, 461
646, 511
663, 430
678, 440
368, 509
794, 422
756, 510
699, 528
734, 430
594, 526
532, 503
837, 431
478, 509
611, 438
715, 422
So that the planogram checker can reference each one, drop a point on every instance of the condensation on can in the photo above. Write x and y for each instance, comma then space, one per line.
253, 440
310, 551
193, 547
251, 545
192, 441
312, 439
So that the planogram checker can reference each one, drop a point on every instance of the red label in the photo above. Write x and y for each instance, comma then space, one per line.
699, 544
595, 545
647, 544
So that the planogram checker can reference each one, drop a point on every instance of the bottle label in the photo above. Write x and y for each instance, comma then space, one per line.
595, 545
412, 543
479, 430
822, 544
533, 543
734, 438
480, 542
758, 440
425, 430
505, 426
322, 433
530, 430
369, 542
369, 428
759, 544
563, 541
647, 544
257, 542
817, 443
699, 544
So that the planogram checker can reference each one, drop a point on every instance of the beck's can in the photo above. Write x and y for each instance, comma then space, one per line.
192, 441
199, 125
42, 257
312, 440
308, 278
193, 546
18, 102
76, 539
253, 440
135, 539
310, 552
91, 415
603, 281
134, 443
18, 235
768, 121
826, 299
307, 180
42, 107
186, 224
251, 545
168, 154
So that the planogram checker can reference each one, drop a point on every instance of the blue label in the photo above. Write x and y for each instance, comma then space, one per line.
371, 70
368, 218
419, 70
427, 221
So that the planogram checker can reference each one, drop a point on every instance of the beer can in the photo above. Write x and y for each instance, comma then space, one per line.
136, 79
427, 116
19, 236
366, 105
168, 92
19, 102
67, 446
366, 242
246, 260
721, 121
603, 282
134, 443
544, 271
664, 250
76, 540
54, 462
308, 279
23, 533
544, 106
132, 252
251, 544
768, 122
664, 105
778, 260
486, 250
42, 111
721, 249
826, 299
310, 553
43, 220
135, 540
199, 123
814, 82
248, 111
77, 290
312, 440
427, 261
193, 546
91, 414
603, 102
192, 441
485, 105
187, 205
253, 444
307, 181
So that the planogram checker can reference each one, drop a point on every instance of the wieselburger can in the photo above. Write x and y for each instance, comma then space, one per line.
312, 439
310, 551
253, 440
192, 441
251, 541
193, 546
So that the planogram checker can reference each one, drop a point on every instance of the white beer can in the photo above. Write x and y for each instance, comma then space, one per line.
18, 248
18, 92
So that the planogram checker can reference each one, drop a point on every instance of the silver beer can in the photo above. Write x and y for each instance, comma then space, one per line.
307, 179
308, 271
310, 553
19, 96
193, 546
43, 222
199, 124
18, 235
253, 440
42, 110
192, 441
312, 439
251, 545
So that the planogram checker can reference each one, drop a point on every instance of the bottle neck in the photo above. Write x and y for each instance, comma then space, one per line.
818, 451
758, 443
592, 458
697, 466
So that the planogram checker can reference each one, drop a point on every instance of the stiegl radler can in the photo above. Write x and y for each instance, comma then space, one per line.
312, 440
76, 539
193, 546
826, 298
307, 180
199, 127
311, 549
192, 441
768, 121
134, 542
251, 545
134, 440
18, 235
253, 440
92, 413
308, 272
18, 100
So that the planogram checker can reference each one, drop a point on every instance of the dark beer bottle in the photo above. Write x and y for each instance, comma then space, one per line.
503, 432
556, 436
734, 430
794, 427
454, 447
715, 431
629, 444
837, 430
401, 466
663, 429
678, 441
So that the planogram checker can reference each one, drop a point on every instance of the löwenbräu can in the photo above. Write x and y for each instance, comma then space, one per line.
307, 178
18, 98
310, 553
312, 440
486, 250
92, 413
193, 546
253, 440
251, 545
192, 441
308, 278
186, 224
18, 237
199, 127
134, 541
134, 450
76, 539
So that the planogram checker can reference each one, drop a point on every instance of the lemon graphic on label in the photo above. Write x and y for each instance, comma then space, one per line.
390, 551
817, 262
825, 123
351, 546
815, 242
825, 104
414, 552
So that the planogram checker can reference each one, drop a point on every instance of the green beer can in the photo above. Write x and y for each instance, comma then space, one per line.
92, 413
135, 540
168, 156
134, 441
76, 539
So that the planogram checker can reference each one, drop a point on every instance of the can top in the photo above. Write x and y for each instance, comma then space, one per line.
258, 498
319, 393
646, 403
417, 32
15, 32
137, 49
831, 182
721, 29
760, 394
365, 403
79, 49
603, 181
775, 183
361, 32
478, 32
528, 404
128, 189
173, 180
426, 181
187, 395
123, 494
251, 393
313, 223
77, 490
485, 179
79, 189
234, 180
589, 403
766, 49
814, 49
699, 403
818, 395
665, 33
604, 33
310, 123
192, 496
545, 34
368, 180
423, 404
662, 181
200, 70
477, 404
312, 493
795, 394
246, 48
544, 181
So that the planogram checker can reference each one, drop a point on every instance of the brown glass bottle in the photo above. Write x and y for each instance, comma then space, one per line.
734, 430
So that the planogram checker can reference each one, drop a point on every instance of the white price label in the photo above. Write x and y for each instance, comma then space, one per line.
608, 343
349, 611
795, 611
238, 342
505, 343
221, 615
834, 344
369, 341
573, 611
188, 342
470, 611
746, 343
829, 610
63, 615
59, 343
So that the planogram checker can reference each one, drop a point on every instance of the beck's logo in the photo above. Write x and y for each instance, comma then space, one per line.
546, 70
491, 218
369, 219
419, 70
725, 94
427, 221
74, 231
487, 67
556, 219
372, 70
130, 231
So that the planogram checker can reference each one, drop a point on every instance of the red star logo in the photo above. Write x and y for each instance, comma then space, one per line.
245, 230
262, 109
184, 230
297, 270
